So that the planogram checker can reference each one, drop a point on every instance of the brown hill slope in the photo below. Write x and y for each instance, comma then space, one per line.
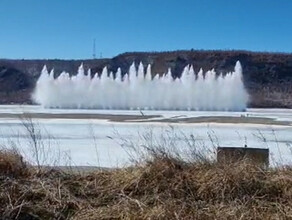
267, 76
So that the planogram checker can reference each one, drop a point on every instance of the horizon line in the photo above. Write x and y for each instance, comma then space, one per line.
157, 52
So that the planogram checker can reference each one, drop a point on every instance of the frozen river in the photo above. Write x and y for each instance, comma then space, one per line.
100, 137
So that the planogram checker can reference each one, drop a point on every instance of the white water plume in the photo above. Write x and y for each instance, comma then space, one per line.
138, 90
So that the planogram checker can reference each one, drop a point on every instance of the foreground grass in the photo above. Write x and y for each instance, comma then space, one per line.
162, 187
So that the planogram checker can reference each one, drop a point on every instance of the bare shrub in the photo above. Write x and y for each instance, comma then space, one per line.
44, 148
171, 143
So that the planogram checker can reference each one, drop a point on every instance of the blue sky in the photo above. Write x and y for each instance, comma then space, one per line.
66, 28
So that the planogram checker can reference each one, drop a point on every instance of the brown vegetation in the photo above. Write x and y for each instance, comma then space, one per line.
163, 187
12, 164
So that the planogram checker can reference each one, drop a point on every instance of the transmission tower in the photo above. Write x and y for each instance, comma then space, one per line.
93, 50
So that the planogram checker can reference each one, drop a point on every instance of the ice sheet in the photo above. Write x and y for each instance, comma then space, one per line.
87, 142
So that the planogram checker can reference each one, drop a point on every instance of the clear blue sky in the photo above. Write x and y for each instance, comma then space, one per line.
66, 28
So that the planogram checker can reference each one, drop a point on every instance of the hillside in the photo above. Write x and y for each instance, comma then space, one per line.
267, 76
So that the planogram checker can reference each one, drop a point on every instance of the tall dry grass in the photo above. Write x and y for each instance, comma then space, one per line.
162, 187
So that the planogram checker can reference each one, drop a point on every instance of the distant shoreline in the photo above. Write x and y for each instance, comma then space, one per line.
150, 118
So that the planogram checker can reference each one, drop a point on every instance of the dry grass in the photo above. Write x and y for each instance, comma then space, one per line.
12, 164
161, 188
